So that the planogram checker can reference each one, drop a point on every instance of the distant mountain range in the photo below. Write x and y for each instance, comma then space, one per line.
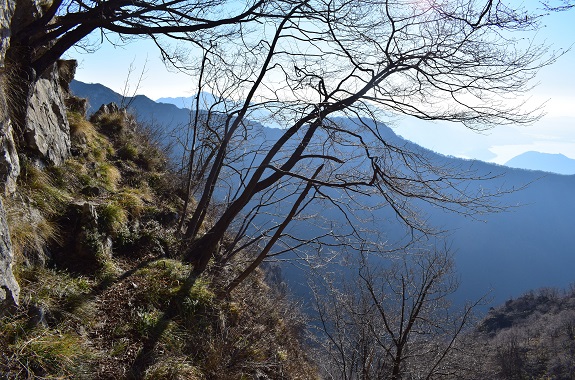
206, 100
529, 247
553, 163
166, 115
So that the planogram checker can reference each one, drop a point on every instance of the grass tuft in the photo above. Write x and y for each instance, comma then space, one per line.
175, 368
61, 355
112, 217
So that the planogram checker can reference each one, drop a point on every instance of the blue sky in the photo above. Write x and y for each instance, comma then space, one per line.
554, 133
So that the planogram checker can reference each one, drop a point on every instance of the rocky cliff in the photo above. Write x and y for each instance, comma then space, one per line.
44, 136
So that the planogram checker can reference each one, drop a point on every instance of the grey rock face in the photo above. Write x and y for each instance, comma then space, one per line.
6, 12
9, 163
47, 130
9, 289
66, 72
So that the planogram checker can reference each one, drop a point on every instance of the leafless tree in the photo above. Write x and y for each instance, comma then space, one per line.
532, 336
323, 70
393, 322
456, 61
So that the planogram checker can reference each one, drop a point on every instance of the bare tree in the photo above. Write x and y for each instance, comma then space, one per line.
456, 61
323, 70
393, 322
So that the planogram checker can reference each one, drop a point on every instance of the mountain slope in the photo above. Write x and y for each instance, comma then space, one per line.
144, 108
530, 246
113, 300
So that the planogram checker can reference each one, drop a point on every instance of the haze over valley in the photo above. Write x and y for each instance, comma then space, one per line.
528, 246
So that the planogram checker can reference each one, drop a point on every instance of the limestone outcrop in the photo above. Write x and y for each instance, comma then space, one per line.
47, 132
6, 13
9, 164
35, 125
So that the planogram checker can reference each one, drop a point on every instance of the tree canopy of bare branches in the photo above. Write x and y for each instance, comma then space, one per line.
312, 62
394, 322
322, 70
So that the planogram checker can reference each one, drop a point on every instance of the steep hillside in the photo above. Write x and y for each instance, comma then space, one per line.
530, 337
103, 292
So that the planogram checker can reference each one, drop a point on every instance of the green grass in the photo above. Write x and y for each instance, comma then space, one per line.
53, 288
112, 217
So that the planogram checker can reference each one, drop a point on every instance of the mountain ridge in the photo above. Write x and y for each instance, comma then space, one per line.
529, 247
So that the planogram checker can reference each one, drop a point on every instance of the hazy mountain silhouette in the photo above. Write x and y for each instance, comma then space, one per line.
206, 101
553, 163
166, 115
528, 247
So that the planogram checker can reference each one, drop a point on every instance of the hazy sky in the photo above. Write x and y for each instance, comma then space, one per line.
554, 133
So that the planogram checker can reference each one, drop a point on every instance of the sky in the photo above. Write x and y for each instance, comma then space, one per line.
554, 133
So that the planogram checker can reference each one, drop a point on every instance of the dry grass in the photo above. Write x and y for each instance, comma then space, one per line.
30, 232
92, 332
31, 214
174, 368
95, 325
81, 130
